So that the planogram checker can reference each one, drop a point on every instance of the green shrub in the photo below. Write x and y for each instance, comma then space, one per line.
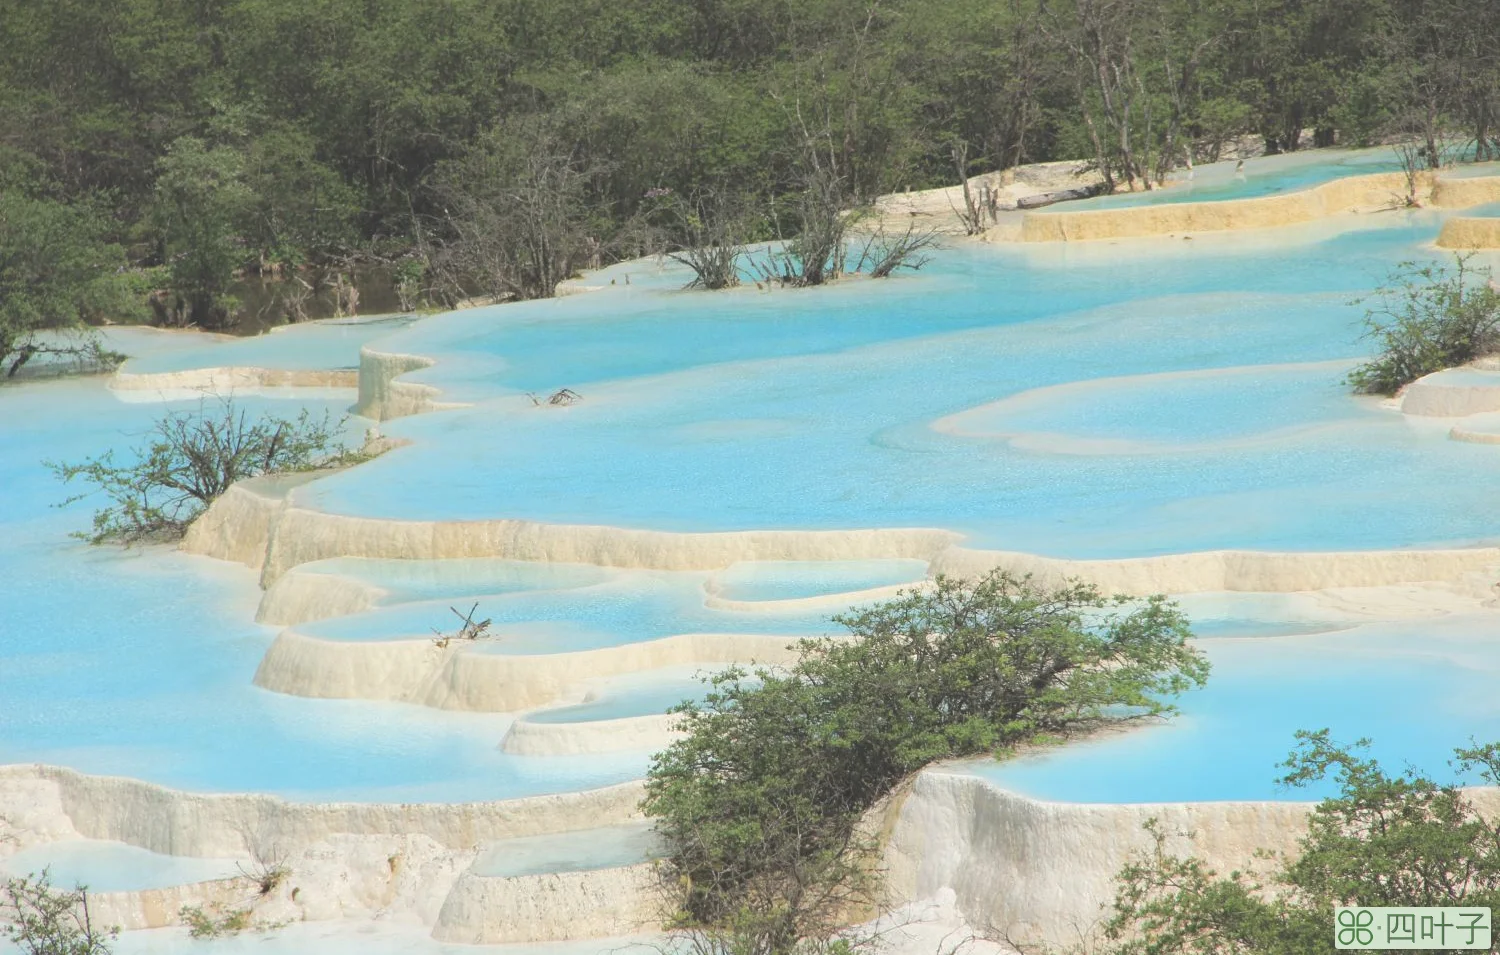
191, 458
1425, 319
200, 194
1382, 841
215, 924
40, 920
759, 804
57, 270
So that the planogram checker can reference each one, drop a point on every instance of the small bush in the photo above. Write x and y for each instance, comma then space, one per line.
562, 396
707, 233
1384, 840
820, 249
268, 876
202, 924
40, 920
1425, 319
191, 458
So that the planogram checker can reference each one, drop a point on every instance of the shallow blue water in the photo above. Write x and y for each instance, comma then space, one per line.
837, 431
642, 694
1205, 409
1262, 176
579, 851
116, 867
404, 581
628, 333
628, 608
139, 663
793, 579
1417, 690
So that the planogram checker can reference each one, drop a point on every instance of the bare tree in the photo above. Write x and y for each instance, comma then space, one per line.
469, 629
1180, 78
1134, 79
707, 232
1100, 40
562, 397
884, 253
819, 252
972, 214
516, 213
1413, 159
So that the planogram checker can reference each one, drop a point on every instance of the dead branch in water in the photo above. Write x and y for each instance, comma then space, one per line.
972, 214
562, 396
885, 253
471, 629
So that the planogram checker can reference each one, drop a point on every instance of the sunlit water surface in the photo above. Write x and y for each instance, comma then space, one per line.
1087, 401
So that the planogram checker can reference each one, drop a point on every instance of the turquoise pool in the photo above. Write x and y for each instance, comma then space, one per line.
781, 410
1262, 176
1107, 400
639, 694
1417, 690
758, 580
578, 851
404, 581
628, 608
117, 867
139, 662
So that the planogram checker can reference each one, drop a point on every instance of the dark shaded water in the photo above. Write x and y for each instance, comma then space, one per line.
264, 301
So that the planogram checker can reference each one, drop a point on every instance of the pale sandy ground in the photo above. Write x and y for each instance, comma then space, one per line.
940, 208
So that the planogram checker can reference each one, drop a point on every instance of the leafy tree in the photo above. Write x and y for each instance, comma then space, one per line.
1382, 841
691, 130
1298, 61
1427, 318
41, 920
297, 208
241, 134
57, 270
759, 804
200, 197
189, 460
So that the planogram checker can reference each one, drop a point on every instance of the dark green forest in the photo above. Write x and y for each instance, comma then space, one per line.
154, 152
